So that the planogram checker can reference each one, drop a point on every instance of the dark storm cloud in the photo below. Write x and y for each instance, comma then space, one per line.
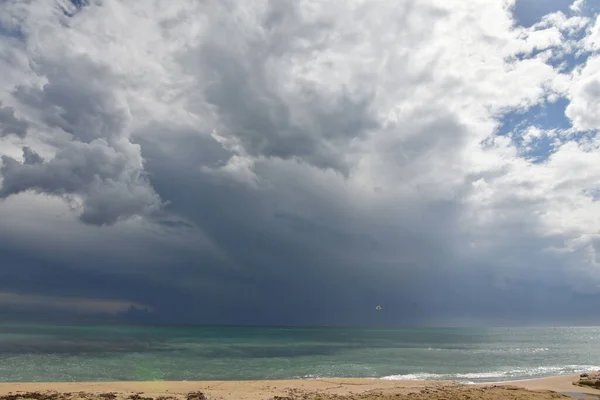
264, 123
106, 273
280, 266
10, 124
30, 157
102, 176
315, 262
280, 163
246, 88
99, 164
76, 99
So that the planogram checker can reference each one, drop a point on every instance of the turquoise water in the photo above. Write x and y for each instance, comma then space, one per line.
109, 353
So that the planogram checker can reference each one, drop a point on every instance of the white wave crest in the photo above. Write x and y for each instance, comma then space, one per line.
497, 376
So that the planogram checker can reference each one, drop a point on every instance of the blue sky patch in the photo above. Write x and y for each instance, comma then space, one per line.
545, 117
529, 12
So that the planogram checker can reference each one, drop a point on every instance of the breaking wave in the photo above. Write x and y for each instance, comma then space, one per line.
499, 376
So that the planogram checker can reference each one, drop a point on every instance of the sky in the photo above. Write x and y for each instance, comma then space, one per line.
273, 162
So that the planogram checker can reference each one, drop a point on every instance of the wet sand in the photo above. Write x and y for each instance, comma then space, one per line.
366, 389
557, 384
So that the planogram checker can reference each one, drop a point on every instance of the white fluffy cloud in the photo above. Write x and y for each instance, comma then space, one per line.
397, 107
584, 109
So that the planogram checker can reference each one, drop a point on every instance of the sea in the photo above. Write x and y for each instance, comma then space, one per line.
34, 353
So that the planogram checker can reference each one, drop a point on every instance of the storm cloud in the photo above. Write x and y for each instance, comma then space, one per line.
279, 162
10, 124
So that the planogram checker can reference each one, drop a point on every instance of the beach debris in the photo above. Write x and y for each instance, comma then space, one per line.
429, 392
138, 397
33, 395
591, 379
196, 396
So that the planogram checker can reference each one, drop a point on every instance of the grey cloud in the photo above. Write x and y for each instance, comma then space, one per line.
111, 189
98, 164
265, 82
10, 124
261, 119
30, 157
109, 201
77, 99
252, 104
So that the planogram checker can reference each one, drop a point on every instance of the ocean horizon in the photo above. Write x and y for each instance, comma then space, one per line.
81, 353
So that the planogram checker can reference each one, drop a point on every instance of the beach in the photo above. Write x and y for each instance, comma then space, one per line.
367, 389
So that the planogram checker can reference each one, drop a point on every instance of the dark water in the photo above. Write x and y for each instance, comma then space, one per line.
107, 353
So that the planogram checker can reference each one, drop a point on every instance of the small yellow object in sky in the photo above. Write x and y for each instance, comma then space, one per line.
378, 308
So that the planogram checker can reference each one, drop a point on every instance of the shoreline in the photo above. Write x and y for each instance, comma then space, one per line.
363, 388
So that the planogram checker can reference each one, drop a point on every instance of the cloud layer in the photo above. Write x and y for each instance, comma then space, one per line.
300, 162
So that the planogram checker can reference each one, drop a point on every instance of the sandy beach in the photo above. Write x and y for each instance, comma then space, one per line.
367, 389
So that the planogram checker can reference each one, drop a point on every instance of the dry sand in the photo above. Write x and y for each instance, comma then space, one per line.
364, 389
